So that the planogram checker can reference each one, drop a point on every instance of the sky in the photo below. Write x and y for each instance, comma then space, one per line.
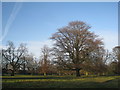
34, 23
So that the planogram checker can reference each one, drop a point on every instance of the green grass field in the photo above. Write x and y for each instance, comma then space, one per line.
18, 81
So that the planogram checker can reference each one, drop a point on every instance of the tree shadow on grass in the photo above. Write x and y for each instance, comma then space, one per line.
39, 77
56, 84
114, 83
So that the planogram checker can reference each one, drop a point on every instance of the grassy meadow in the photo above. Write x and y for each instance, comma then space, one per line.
29, 81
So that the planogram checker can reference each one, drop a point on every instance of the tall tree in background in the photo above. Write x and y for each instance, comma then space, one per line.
116, 58
13, 55
45, 59
30, 65
59, 60
97, 62
76, 42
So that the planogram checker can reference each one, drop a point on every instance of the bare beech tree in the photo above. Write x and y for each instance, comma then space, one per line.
97, 62
59, 60
116, 52
27, 65
13, 55
77, 42
30, 64
45, 60
116, 58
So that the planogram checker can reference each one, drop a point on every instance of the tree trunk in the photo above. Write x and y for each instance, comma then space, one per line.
13, 73
24, 71
78, 73
44, 74
6, 68
86, 73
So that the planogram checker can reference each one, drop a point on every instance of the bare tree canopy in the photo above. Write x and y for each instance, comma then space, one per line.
13, 55
116, 52
116, 59
45, 59
77, 42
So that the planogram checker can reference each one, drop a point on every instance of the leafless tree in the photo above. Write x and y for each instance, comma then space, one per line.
116, 60
116, 52
76, 42
13, 55
97, 62
59, 60
45, 59
30, 64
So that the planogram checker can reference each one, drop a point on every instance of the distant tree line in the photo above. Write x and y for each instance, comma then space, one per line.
76, 51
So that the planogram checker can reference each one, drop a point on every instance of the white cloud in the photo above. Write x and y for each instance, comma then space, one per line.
35, 46
2, 47
110, 38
